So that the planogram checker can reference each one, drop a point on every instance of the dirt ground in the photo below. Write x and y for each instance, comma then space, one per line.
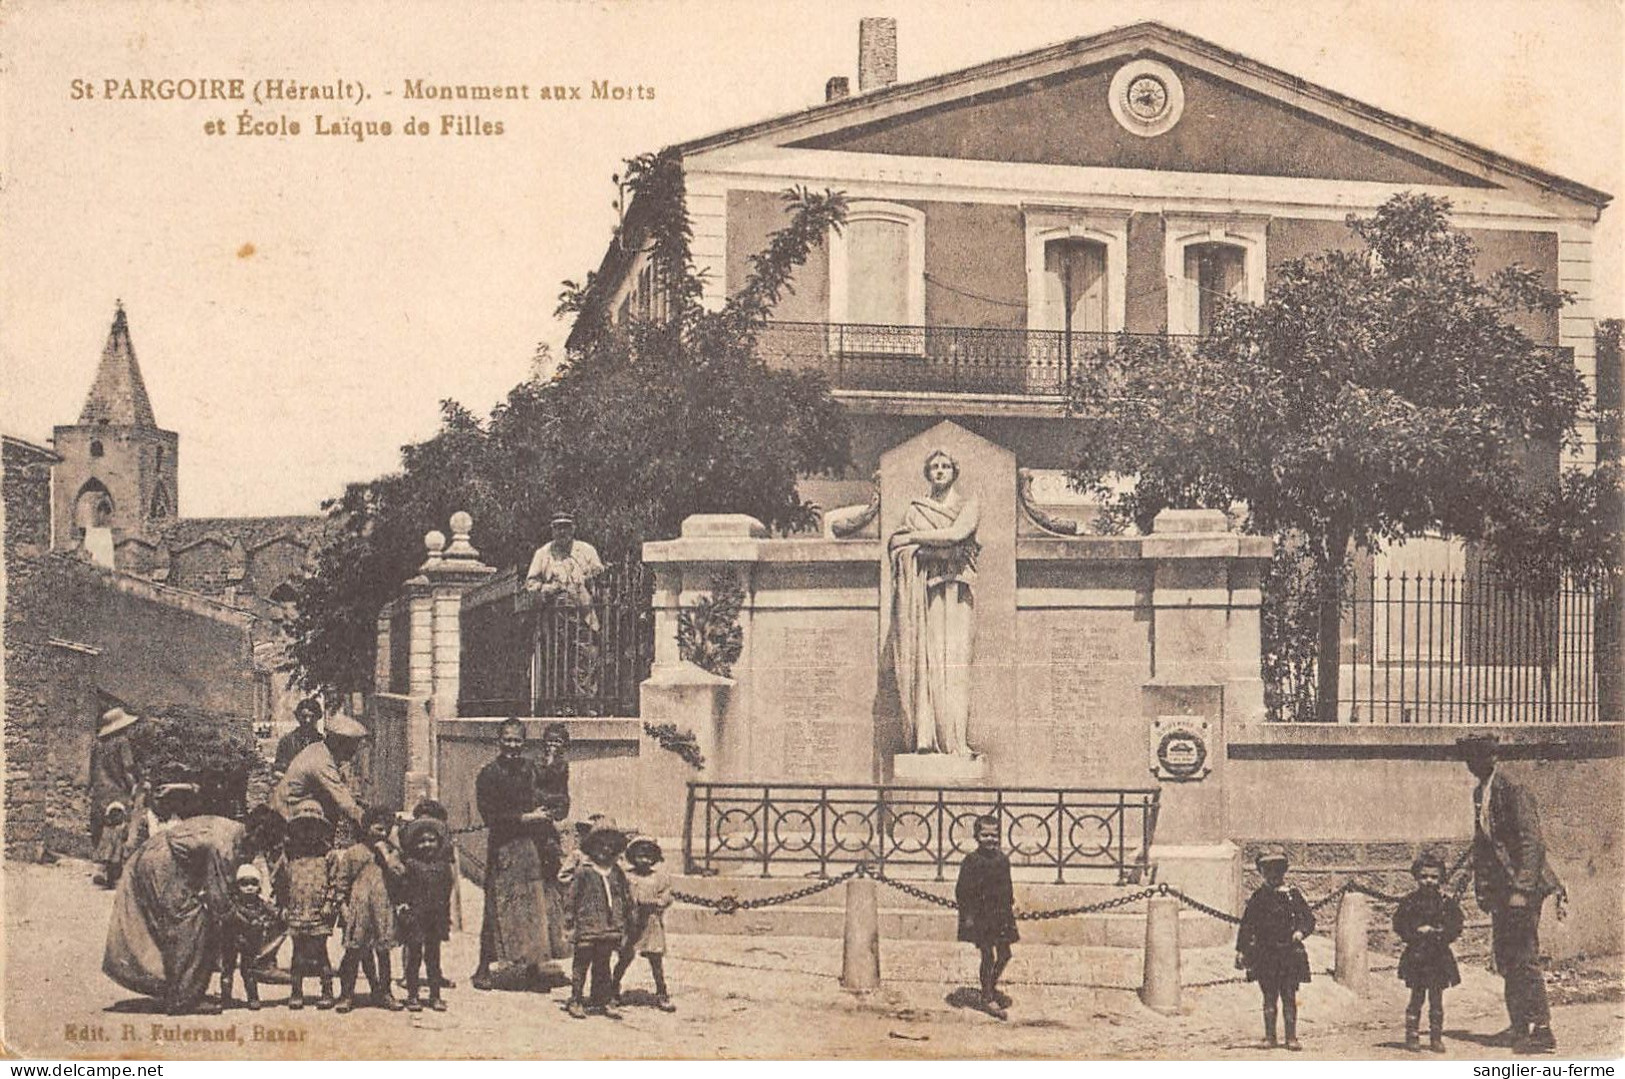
742, 997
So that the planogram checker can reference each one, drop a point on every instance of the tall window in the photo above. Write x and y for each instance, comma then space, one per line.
1209, 260
1213, 272
877, 266
1075, 285
1076, 269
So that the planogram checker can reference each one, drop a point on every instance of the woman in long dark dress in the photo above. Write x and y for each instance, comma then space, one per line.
165, 934
514, 932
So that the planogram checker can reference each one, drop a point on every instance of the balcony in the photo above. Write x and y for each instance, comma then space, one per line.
1030, 364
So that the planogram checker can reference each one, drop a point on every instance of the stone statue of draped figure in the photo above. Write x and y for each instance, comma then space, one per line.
932, 632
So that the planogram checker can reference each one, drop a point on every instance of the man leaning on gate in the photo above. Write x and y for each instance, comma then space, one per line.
1511, 880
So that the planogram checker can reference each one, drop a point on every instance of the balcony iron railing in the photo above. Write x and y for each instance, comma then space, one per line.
938, 359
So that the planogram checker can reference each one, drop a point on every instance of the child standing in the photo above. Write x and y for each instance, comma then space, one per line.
599, 902
250, 924
362, 875
425, 918
987, 915
310, 900
650, 892
1269, 945
1428, 921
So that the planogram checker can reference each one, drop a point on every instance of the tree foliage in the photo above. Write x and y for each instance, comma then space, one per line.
1377, 394
644, 423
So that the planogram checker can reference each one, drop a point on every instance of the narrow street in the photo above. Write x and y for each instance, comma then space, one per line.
737, 996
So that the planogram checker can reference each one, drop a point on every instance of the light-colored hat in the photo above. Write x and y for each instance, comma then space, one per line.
345, 726
308, 810
647, 843
114, 720
250, 872
1272, 852
165, 790
604, 831
114, 807
561, 519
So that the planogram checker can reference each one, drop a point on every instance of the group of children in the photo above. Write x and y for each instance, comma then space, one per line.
1269, 942
614, 916
1269, 946
391, 887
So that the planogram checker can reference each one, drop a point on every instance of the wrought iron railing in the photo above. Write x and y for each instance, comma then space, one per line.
937, 359
521, 657
797, 827
1472, 648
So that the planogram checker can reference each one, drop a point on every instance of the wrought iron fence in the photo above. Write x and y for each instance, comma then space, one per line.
797, 826
944, 359
521, 657
1473, 648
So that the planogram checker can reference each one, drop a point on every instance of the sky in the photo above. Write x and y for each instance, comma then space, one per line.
301, 304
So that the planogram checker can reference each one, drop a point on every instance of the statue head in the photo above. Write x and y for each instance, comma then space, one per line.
941, 470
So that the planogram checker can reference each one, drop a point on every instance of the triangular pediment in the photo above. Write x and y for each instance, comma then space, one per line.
1055, 106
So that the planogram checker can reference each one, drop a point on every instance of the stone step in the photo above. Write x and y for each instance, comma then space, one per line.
950, 964
1119, 930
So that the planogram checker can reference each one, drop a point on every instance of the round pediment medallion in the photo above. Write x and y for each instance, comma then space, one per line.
1146, 97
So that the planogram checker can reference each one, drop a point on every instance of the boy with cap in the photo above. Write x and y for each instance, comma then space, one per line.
599, 908
1269, 944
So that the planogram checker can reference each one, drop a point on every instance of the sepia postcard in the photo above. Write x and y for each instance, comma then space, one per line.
846, 531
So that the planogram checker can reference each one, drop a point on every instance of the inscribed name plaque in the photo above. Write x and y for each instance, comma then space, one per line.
815, 705
1079, 696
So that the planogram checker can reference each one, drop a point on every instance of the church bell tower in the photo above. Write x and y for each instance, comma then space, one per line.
119, 468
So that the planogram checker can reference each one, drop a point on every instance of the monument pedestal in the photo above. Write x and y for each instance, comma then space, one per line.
938, 770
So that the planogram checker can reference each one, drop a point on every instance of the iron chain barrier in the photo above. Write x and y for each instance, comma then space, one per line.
731, 904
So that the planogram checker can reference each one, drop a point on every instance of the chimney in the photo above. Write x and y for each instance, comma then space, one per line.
837, 88
877, 53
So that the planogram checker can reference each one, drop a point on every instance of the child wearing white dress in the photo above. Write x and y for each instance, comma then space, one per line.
646, 935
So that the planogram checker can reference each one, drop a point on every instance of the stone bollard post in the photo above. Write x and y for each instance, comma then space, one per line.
1160, 989
860, 950
1353, 966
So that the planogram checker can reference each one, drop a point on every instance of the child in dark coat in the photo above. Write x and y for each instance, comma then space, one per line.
425, 914
599, 908
1269, 945
249, 925
987, 914
1428, 921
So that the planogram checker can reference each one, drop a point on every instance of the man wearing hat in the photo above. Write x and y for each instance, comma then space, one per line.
307, 713
313, 775
561, 574
1511, 880
562, 570
115, 779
